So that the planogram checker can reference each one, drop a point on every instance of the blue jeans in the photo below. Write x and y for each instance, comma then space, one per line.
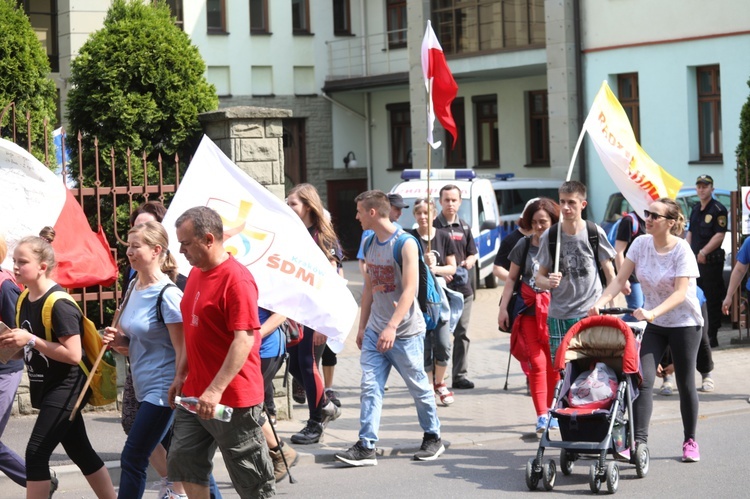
634, 300
10, 463
407, 356
151, 424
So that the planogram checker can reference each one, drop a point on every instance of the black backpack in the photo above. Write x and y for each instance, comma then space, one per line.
593, 233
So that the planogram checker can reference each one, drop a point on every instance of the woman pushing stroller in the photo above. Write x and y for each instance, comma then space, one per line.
667, 270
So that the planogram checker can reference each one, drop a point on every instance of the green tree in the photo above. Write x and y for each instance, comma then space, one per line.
743, 148
138, 84
24, 79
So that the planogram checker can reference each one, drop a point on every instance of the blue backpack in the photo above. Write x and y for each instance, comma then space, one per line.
429, 295
612, 233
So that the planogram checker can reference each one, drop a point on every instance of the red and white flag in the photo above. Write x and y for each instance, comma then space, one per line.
34, 197
440, 84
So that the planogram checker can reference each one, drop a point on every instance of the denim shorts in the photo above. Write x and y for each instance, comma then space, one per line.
242, 445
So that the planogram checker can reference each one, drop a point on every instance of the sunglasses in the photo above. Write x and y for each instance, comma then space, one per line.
655, 216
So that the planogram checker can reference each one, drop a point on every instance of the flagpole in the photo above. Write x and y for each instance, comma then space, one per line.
429, 166
567, 178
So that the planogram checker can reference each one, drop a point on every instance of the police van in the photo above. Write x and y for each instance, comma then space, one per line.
513, 193
478, 209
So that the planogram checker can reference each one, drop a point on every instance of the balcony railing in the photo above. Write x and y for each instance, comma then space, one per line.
371, 55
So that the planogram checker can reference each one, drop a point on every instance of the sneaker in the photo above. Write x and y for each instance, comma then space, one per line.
163, 486
445, 395
690, 452
541, 423
330, 412
53, 482
463, 384
431, 448
666, 389
554, 424
310, 434
298, 392
707, 385
358, 455
171, 494
333, 397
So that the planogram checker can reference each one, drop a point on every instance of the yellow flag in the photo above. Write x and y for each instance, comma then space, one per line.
638, 177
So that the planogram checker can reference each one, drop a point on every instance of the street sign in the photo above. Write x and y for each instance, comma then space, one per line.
745, 210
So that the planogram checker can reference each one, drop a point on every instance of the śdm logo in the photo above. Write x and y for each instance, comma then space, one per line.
246, 242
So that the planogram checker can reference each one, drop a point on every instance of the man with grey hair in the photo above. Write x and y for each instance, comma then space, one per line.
221, 364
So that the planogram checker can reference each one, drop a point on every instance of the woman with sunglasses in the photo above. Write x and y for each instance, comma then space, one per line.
667, 270
442, 262
530, 326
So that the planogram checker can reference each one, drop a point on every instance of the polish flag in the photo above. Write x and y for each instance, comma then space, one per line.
34, 197
440, 84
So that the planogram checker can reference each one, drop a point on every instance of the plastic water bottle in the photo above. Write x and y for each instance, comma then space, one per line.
190, 404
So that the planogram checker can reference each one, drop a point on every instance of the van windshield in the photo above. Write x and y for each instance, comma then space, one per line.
407, 220
513, 201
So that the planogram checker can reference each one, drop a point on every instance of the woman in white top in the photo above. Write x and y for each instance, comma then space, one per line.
667, 270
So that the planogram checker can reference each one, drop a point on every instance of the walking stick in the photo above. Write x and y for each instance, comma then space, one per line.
507, 371
283, 457
115, 321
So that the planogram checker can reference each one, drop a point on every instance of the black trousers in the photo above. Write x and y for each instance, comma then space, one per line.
711, 281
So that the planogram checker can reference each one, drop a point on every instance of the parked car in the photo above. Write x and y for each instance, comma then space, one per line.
478, 208
513, 193
686, 199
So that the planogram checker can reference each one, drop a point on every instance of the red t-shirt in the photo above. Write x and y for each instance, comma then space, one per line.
215, 304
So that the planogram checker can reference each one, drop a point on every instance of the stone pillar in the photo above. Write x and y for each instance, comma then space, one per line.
561, 85
417, 13
252, 138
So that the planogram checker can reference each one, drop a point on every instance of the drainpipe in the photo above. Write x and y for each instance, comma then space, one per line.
368, 144
579, 86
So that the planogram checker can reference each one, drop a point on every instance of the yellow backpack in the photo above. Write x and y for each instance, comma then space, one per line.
104, 381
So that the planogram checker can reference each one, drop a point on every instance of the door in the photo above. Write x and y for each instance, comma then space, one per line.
341, 194
295, 167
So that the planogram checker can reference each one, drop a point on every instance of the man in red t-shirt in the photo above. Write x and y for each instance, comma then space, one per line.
221, 364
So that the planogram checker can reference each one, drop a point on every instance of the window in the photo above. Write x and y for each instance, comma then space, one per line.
216, 16
400, 117
43, 17
709, 113
457, 151
488, 144
396, 23
176, 7
464, 26
259, 17
538, 127
300, 16
627, 91
341, 18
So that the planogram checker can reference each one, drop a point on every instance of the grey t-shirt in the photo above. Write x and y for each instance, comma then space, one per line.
528, 273
385, 277
580, 286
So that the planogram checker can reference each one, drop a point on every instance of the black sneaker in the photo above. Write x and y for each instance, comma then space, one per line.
463, 384
298, 392
330, 412
358, 455
310, 434
333, 397
431, 448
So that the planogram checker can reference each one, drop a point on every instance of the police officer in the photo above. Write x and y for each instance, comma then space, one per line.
708, 224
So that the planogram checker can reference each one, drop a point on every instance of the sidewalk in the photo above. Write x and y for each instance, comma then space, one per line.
484, 414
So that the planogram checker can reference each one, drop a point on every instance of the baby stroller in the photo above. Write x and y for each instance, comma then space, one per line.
601, 431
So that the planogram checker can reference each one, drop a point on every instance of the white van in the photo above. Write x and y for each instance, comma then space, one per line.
478, 209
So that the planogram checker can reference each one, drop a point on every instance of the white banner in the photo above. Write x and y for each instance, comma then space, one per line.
293, 275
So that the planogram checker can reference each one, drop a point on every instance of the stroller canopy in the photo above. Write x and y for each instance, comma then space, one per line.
601, 337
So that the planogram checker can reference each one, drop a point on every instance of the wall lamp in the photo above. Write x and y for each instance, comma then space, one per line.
350, 160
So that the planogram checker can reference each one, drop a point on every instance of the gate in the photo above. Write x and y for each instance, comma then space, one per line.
105, 299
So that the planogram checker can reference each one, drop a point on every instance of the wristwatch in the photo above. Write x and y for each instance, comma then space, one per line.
30, 345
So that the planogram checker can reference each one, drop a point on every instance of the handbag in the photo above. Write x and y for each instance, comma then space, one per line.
516, 305
293, 332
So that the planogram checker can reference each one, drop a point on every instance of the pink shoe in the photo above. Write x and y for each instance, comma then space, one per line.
690, 452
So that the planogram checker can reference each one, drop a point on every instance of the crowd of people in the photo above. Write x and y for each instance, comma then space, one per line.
204, 339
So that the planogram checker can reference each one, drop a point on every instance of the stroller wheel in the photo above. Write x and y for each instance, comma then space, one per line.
595, 481
532, 475
642, 458
566, 462
613, 477
549, 472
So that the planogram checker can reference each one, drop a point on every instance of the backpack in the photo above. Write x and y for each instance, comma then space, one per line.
104, 381
514, 307
430, 295
636, 228
593, 234
160, 299
6, 275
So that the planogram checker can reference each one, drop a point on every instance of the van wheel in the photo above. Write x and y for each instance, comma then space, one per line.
490, 281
